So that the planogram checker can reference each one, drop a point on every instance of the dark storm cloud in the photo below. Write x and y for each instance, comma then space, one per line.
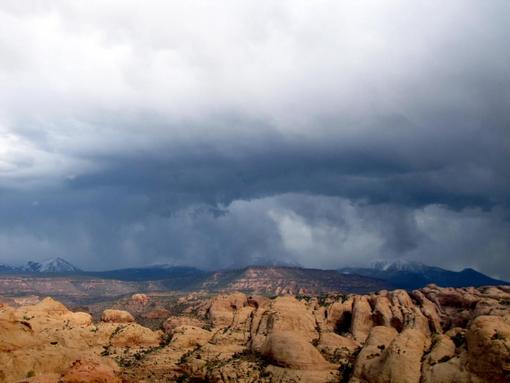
224, 135
404, 165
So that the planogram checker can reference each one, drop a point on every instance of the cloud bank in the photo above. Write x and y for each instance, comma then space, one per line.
226, 134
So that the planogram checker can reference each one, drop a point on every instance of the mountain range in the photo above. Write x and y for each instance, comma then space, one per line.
269, 280
411, 275
52, 265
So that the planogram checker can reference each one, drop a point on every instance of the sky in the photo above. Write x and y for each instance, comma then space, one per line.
222, 134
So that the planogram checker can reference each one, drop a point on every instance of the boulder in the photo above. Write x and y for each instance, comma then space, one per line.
117, 316
141, 299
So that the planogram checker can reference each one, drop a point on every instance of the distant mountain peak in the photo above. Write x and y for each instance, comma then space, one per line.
409, 274
52, 265
399, 265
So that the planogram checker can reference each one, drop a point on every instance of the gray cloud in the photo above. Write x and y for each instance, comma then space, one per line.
230, 134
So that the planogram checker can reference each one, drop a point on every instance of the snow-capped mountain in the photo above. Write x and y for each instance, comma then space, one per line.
413, 275
401, 265
52, 265
8, 268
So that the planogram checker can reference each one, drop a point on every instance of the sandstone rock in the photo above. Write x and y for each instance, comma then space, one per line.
141, 299
237, 371
449, 371
237, 333
43, 378
221, 311
289, 314
495, 292
117, 316
285, 314
442, 350
190, 336
176, 321
429, 310
258, 301
402, 359
361, 318
382, 315
81, 318
443, 364
132, 335
337, 348
156, 314
339, 316
15, 335
286, 375
331, 341
488, 345
87, 371
398, 361
367, 365
434, 335
286, 349
50, 306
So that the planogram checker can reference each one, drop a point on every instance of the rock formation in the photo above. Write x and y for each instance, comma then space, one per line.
117, 316
429, 335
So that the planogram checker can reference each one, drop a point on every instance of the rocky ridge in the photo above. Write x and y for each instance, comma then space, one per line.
429, 335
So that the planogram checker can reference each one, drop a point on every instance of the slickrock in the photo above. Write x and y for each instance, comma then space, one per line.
44, 378
41, 340
488, 344
443, 349
339, 316
432, 335
133, 335
429, 310
89, 371
368, 361
221, 311
401, 361
117, 316
362, 320
173, 322
156, 314
391, 357
284, 315
287, 349
190, 336
331, 342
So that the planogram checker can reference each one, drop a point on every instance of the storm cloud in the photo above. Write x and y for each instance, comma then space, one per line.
219, 135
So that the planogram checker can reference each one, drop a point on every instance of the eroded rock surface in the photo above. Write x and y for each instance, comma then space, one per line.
429, 335
117, 316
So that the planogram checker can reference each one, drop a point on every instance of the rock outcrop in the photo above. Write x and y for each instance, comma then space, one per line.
89, 371
432, 335
117, 316
142, 299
